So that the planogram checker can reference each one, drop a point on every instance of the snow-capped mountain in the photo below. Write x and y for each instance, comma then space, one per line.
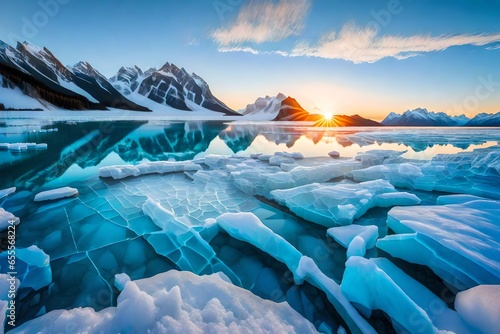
423, 117
169, 86
485, 120
99, 87
282, 108
264, 108
80, 81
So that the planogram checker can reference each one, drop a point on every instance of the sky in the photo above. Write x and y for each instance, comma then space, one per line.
367, 57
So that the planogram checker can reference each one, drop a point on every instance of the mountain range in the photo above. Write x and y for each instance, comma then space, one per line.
32, 78
423, 117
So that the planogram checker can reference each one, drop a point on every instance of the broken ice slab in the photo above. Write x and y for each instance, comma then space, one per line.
475, 173
459, 242
247, 227
32, 267
54, 194
7, 192
156, 167
356, 238
332, 204
182, 243
378, 284
7, 219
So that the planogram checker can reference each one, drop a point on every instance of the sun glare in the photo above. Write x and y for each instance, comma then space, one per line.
328, 115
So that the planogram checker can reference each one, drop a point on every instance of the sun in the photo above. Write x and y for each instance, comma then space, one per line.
328, 115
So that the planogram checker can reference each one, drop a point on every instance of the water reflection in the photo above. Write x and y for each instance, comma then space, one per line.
80, 146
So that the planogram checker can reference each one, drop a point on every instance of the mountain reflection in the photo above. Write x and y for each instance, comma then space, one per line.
87, 144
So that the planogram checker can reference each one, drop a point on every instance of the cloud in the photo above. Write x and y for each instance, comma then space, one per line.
239, 49
364, 45
493, 47
264, 21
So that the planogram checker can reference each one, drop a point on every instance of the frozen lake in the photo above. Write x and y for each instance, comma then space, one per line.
214, 197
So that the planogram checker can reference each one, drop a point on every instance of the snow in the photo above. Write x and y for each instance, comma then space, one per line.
5, 218
459, 242
7, 192
368, 282
332, 204
158, 167
54, 194
14, 98
356, 238
478, 307
177, 302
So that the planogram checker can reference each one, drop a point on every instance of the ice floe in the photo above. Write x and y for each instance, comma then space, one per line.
156, 167
459, 242
475, 173
177, 302
32, 267
54, 194
7, 219
247, 227
7, 192
356, 238
332, 204
378, 284
22, 147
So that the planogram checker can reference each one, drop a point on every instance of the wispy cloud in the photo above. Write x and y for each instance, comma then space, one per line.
364, 45
264, 21
493, 47
239, 49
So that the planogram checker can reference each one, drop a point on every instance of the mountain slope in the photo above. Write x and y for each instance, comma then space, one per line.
99, 87
169, 86
43, 66
423, 117
22, 91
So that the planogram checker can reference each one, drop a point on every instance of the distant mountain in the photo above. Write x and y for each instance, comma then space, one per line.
264, 108
282, 108
485, 120
423, 117
79, 81
169, 86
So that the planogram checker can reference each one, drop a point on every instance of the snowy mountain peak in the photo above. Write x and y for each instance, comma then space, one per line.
423, 117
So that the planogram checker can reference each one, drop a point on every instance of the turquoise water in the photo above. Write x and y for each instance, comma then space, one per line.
104, 231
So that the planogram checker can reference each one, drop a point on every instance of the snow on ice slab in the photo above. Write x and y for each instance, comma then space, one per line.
356, 238
157, 167
177, 302
332, 204
54, 194
459, 242
247, 227
5, 219
479, 308
475, 173
379, 284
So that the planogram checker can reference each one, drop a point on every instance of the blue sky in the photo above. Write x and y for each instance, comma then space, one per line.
367, 56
